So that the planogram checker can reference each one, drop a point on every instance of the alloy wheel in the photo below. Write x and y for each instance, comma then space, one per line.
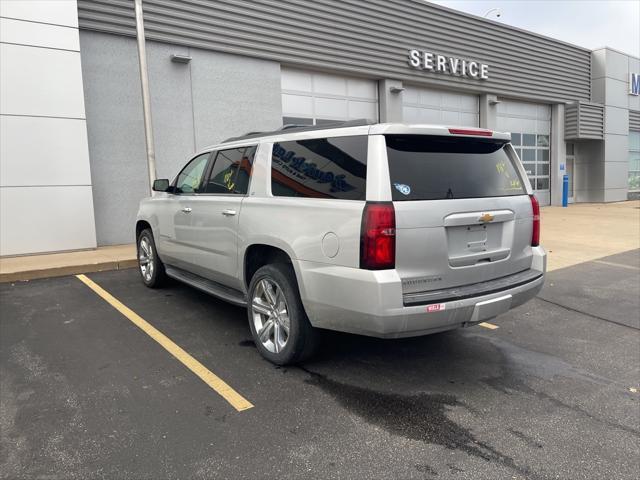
270, 315
145, 259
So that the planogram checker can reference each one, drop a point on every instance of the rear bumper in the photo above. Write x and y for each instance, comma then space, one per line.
371, 302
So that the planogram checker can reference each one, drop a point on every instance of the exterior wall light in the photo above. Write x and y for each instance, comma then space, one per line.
180, 58
396, 89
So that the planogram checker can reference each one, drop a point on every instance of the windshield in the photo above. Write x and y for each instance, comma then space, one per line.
423, 167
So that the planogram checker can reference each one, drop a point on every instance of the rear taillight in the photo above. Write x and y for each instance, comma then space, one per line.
378, 237
535, 235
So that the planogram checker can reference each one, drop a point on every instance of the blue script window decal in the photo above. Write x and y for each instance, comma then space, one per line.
320, 168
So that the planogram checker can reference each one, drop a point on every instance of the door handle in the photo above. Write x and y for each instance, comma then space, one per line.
229, 213
186, 210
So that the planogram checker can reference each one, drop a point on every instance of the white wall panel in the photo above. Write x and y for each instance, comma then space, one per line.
38, 34
57, 12
43, 151
46, 200
45, 219
40, 81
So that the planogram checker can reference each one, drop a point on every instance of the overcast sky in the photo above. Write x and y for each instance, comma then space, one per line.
587, 23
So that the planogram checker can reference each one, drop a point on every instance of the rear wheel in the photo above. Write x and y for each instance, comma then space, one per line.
279, 325
150, 266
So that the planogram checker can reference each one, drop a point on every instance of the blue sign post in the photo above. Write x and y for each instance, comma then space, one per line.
565, 190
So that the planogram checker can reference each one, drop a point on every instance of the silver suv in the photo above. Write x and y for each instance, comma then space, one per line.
387, 230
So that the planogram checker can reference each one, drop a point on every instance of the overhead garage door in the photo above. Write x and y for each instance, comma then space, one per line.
423, 105
530, 127
310, 98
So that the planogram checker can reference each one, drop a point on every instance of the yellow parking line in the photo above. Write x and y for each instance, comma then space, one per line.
236, 400
488, 325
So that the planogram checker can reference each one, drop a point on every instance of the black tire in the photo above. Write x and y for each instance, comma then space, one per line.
157, 277
303, 340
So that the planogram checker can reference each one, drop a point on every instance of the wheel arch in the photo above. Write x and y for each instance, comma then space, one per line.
257, 255
140, 226
268, 251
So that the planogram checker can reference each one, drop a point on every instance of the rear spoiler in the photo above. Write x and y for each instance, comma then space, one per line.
423, 129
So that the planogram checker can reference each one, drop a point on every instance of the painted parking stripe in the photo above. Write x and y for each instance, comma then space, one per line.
488, 325
236, 400
613, 264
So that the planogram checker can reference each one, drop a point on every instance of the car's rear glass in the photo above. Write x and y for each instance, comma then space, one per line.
423, 167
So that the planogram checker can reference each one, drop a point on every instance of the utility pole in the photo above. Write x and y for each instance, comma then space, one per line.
146, 101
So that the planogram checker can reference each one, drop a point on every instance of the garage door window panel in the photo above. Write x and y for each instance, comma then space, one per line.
323, 98
423, 105
530, 127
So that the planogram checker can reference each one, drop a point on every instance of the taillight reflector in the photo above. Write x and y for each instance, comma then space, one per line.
535, 235
378, 237
468, 131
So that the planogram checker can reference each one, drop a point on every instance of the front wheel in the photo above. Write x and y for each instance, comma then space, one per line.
149, 264
279, 325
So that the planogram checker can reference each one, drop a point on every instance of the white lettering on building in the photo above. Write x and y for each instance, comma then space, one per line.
448, 65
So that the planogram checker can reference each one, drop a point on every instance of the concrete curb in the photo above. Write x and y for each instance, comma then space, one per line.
62, 271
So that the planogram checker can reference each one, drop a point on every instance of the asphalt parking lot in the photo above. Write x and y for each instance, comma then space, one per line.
552, 393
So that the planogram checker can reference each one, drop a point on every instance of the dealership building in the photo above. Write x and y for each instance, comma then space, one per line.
73, 156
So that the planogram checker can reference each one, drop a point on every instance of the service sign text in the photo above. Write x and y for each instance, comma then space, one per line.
455, 66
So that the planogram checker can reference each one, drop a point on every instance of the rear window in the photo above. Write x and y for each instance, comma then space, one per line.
435, 168
320, 168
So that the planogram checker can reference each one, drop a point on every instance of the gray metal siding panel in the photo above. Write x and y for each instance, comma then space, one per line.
591, 121
634, 120
584, 121
369, 38
571, 121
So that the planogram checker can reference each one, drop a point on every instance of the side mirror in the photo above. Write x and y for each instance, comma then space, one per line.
160, 185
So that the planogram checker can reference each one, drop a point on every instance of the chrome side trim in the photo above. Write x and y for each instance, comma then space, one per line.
473, 290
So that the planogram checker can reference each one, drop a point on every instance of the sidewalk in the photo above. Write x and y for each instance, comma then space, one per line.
70, 263
586, 231
579, 233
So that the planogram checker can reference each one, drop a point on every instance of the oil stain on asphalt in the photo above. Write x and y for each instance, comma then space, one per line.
421, 417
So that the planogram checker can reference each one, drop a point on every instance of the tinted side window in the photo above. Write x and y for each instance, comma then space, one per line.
425, 167
190, 178
320, 168
231, 171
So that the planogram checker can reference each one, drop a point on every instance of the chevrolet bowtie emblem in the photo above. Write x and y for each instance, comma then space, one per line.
487, 217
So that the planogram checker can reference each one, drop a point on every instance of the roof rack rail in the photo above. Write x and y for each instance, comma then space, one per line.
293, 125
302, 128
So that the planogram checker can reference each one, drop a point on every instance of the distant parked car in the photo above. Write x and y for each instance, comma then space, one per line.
386, 230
